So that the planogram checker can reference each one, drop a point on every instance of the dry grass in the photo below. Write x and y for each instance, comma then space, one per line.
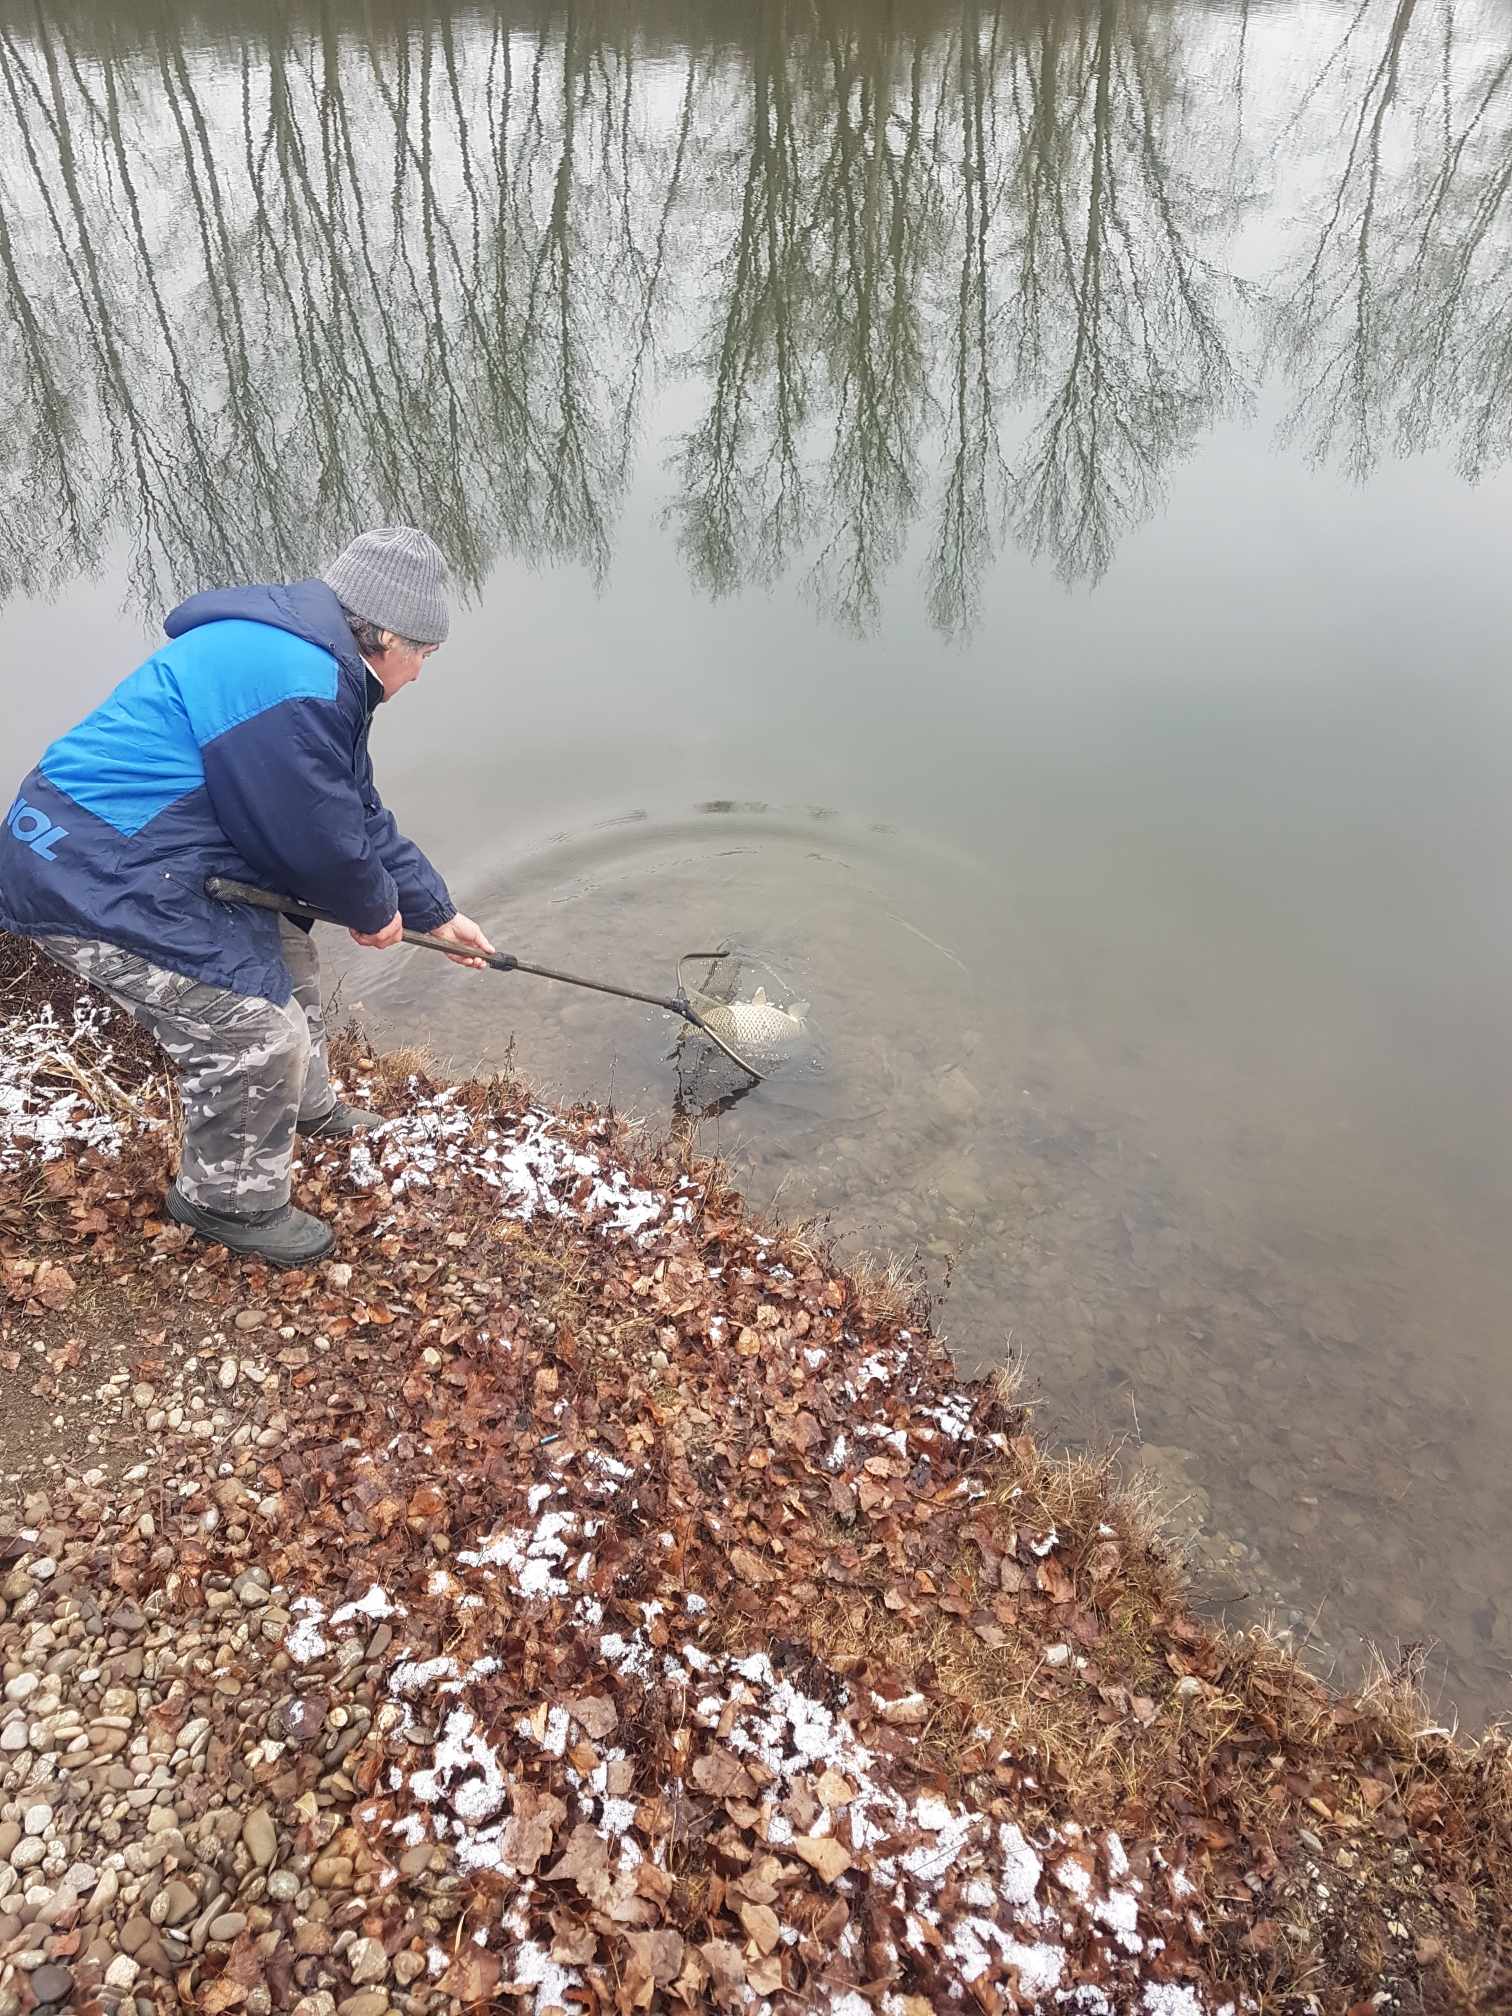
1002, 1680
889, 1290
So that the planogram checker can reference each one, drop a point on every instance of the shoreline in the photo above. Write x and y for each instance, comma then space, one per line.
574, 1594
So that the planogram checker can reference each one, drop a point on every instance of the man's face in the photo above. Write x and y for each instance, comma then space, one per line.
400, 663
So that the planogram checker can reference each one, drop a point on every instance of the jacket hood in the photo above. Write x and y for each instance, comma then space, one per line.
308, 609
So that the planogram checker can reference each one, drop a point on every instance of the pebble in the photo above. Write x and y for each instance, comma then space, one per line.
152, 1954
52, 1984
13, 1736
227, 1374
331, 1871
28, 1853
122, 1972
173, 1905
321, 2003
135, 1933
1057, 1655
230, 1925
22, 1687
38, 1818
367, 1960
283, 1886
200, 1931
260, 1836
103, 1896
10, 1834
366, 2002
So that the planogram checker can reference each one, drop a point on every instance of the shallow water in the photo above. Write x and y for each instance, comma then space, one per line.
1004, 512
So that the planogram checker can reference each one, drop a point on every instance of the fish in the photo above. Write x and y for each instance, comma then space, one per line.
758, 1024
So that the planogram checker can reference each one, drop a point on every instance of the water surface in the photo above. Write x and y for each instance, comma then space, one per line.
1003, 509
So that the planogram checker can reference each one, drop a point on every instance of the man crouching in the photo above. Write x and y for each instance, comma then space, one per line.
240, 749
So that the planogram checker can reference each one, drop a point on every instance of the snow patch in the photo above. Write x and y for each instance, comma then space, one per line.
45, 1104
376, 1603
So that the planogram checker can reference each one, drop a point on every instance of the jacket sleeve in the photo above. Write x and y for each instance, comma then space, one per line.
423, 897
285, 793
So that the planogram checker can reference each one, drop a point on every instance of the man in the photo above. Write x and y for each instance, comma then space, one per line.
240, 748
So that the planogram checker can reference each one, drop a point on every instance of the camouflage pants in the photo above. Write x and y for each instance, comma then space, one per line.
249, 1072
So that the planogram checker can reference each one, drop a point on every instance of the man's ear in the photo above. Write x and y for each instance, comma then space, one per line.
386, 640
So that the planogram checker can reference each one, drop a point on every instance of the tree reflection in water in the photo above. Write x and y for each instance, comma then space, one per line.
916, 278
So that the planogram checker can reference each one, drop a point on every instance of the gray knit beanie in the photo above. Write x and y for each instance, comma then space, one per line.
396, 578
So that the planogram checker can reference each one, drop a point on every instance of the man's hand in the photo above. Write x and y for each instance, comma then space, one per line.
380, 941
460, 930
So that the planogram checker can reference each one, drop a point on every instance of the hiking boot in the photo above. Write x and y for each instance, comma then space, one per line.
285, 1237
341, 1123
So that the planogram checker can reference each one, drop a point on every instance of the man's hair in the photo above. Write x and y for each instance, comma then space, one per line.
369, 636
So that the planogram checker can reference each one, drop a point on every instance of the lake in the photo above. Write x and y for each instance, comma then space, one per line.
1005, 513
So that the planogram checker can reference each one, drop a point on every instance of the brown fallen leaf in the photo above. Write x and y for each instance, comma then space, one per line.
473, 1975
759, 1884
765, 1975
222, 1995
750, 1567
828, 1928
528, 1835
824, 1854
1055, 1582
834, 1790
722, 1775
727, 1971
596, 1712
585, 1862
660, 1953
761, 1926
574, 1945
54, 1286
653, 1882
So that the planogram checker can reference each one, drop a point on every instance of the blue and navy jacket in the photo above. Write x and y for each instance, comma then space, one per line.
240, 748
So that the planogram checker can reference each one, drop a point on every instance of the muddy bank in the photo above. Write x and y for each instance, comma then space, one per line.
576, 1595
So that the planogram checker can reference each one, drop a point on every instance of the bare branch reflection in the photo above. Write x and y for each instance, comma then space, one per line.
1393, 326
896, 281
